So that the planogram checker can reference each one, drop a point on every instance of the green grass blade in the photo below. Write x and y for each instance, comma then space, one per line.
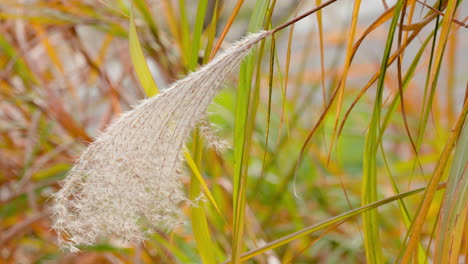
268, 117
241, 133
433, 78
200, 228
198, 217
324, 224
139, 61
211, 32
369, 182
145, 11
185, 33
197, 31
427, 100
412, 237
197, 184
406, 81
422, 254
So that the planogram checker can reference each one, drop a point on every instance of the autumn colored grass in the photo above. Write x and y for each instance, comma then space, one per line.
347, 132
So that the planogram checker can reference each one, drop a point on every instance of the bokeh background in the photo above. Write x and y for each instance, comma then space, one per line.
66, 73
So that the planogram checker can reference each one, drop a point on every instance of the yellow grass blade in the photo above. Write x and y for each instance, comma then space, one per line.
429, 195
139, 61
196, 172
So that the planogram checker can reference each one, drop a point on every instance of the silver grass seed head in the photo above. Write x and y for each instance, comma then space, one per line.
126, 183
209, 133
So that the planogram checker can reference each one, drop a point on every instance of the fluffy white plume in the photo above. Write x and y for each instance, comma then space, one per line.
125, 183
208, 131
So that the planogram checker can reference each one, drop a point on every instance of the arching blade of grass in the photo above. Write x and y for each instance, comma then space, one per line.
406, 81
326, 223
435, 179
400, 88
428, 93
369, 182
435, 62
412, 237
139, 61
454, 213
324, 233
193, 166
376, 76
422, 255
391, 109
377, 23
241, 133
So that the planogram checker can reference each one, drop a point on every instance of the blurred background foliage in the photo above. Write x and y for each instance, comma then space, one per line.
324, 130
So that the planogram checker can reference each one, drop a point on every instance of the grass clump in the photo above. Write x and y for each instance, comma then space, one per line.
348, 130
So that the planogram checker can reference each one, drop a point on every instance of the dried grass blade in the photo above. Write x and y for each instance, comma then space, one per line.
454, 213
439, 52
227, 27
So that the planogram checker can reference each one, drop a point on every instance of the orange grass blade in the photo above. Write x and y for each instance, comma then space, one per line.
227, 27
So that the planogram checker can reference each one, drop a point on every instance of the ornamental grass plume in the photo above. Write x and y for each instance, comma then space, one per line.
126, 182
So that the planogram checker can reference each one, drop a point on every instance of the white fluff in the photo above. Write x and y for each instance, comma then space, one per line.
125, 183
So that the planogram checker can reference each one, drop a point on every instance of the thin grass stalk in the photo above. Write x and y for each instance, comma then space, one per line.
369, 184
242, 132
454, 211
327, 223
445, 30
347, 65
412, 236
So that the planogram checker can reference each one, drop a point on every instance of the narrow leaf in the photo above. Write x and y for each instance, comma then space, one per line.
139, 61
